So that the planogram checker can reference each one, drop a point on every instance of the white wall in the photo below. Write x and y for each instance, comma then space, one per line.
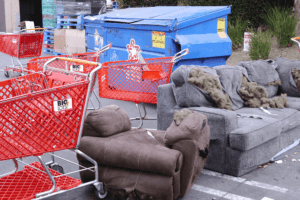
12, 15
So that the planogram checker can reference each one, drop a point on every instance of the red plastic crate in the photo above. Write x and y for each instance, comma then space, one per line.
28, 182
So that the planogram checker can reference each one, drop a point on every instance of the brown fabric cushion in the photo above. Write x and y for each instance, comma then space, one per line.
134, 149
191, 127
106, 121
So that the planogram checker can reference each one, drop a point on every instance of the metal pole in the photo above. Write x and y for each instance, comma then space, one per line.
50, 176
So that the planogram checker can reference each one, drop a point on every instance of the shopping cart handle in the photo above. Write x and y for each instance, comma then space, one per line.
295, 40
32, 29
107, 47
78, 61
180, 54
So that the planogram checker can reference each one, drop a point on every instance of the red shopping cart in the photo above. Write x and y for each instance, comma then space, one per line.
36, 64
136, 82
295, 39
24, 44
37, 119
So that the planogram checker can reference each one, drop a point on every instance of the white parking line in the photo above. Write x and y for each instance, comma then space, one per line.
232, 178
244, 181
219, 193
266, 186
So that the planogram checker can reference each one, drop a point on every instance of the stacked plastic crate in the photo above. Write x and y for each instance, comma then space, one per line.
49, 22
49, 13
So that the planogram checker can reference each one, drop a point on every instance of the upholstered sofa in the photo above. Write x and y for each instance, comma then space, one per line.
242, 138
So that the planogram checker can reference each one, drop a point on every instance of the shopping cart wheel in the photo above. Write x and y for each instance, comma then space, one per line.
57, 168
6, 74
101, 195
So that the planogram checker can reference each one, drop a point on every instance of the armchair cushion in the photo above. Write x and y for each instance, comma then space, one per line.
284, 69
106, 121
262, 72
194, 126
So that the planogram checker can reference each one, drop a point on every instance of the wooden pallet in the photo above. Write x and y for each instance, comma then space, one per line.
71, 21
51, 51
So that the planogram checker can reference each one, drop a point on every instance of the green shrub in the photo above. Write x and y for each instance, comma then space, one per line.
260, 45
252, 10
283, 24
236, 32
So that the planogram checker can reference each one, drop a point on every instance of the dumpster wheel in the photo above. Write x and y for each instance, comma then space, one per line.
6, 73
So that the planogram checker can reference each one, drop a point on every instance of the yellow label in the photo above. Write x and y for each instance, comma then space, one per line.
221, 25
222, 34
158, 39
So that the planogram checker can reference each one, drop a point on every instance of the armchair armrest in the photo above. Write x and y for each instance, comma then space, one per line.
191, 166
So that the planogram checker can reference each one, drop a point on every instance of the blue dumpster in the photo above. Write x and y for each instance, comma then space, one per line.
162, 32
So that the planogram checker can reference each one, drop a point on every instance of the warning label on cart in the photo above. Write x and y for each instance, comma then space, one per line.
76, 68
62, 105
158, 39
221, 25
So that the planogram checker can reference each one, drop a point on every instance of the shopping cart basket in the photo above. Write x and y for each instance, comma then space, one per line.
23, 44
36, 64
136, 82
37, 119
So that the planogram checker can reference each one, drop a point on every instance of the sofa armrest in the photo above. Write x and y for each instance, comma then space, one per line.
221, 123
165, 106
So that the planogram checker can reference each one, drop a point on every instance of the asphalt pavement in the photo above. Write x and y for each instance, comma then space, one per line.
277, 181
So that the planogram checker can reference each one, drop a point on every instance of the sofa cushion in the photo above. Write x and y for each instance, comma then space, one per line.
294, 102
289, 117
253, 131
231, 81
262, 72
188, 94
284, 69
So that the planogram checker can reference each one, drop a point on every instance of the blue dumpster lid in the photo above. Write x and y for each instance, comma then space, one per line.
163, 15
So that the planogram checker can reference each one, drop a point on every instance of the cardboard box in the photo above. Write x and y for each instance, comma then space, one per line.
69, 41
60, 40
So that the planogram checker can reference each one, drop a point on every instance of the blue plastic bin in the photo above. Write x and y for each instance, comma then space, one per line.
162, 32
